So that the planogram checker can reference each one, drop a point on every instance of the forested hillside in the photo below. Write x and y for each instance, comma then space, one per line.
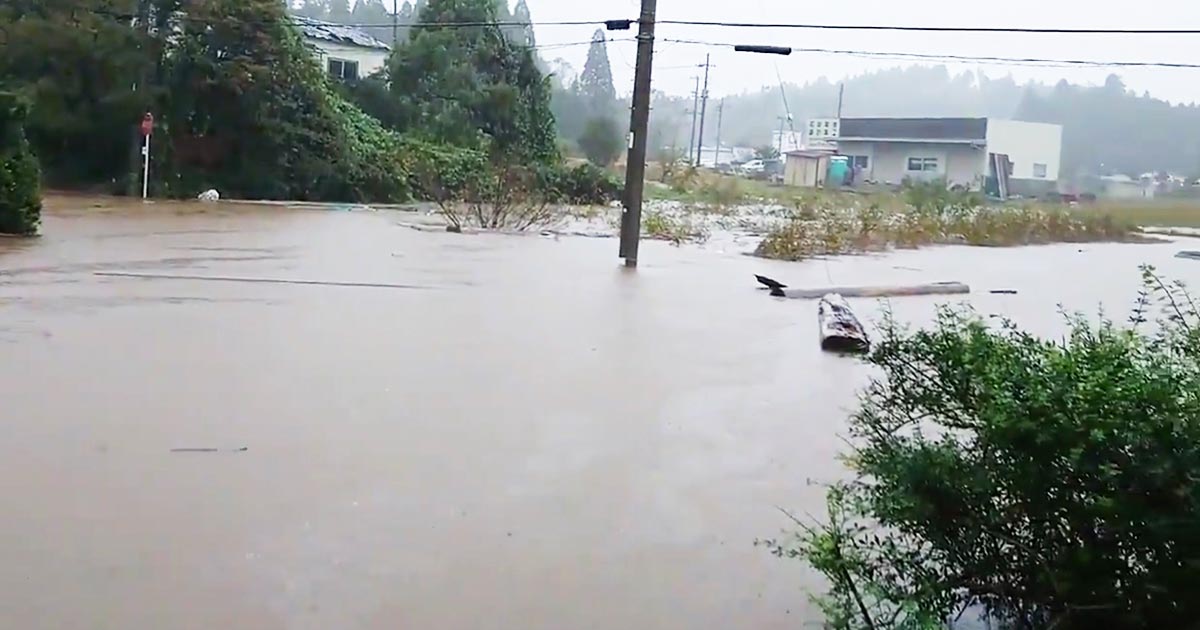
1107, 129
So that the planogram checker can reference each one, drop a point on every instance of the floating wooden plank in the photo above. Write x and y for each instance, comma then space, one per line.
840, 329
938, 288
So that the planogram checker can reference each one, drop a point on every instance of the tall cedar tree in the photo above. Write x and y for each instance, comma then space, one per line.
596, 83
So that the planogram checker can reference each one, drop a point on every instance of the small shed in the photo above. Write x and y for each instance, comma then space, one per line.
806, 168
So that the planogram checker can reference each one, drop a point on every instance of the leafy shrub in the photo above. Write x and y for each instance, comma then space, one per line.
678, 229
443, 174
935, 195
722, 191
1044, 483
585, 185
682, 177
20, 186
601, 141
373, 155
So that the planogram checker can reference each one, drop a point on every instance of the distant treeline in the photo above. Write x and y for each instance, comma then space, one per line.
1107, 129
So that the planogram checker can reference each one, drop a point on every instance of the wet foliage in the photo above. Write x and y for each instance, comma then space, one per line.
241, 103
1042, 483
869, 225
20, 185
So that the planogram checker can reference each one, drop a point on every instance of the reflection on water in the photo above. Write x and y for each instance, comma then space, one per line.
548, 441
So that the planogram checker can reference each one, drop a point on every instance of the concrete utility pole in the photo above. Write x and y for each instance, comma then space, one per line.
395, 23
695, 113
703, 109
720, 118
635, 172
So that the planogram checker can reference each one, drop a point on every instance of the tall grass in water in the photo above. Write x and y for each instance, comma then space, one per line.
858, 228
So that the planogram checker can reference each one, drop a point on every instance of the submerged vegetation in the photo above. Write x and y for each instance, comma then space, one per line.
676, 228
824, 231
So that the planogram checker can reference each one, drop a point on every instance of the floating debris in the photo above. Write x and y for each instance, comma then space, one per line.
840, 329
774, 285
937, 288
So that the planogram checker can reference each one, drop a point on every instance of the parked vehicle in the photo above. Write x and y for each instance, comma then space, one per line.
754, 167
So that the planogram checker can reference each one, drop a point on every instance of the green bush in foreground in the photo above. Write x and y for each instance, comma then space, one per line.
20, 185
1046, 483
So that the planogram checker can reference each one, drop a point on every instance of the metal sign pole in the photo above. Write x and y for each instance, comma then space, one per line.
147, 131
146, 167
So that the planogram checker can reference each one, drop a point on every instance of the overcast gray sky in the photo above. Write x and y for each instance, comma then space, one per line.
738, 72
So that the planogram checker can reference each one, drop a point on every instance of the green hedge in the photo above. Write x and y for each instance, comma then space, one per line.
585, 185
20, 177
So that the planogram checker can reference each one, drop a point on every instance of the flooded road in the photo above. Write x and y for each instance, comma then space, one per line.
525, 436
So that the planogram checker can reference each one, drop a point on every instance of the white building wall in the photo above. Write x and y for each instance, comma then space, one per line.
1027, 144
370, 60
787, 140
866, 149
887, 162
967, 165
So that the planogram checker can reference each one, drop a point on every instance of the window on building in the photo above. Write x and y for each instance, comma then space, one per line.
1039, 171
860, 161
923, 164
343, 70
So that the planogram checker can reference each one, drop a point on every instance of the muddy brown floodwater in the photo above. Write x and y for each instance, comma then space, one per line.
532, 438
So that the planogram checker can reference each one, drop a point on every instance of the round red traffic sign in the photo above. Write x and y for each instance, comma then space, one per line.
147, 124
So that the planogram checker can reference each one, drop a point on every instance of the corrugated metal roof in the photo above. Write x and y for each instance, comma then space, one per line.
810, 153
336, 33
915, 128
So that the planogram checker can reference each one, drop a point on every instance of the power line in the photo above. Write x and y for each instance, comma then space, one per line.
501, 24
191, 18
943, 29
428, 25
1034, 61
570, 44
702, 23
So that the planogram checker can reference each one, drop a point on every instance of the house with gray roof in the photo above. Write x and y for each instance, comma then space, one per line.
347, 53
1004, 157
